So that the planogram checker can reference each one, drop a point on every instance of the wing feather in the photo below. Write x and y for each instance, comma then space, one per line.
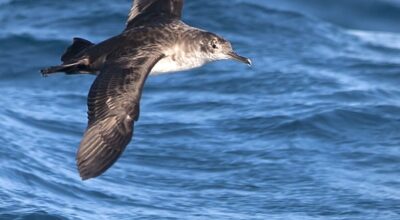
113, 104
143, 11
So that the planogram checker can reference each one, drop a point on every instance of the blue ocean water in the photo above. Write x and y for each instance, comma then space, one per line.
311, 131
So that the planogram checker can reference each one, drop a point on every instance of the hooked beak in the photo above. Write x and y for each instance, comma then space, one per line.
239, 58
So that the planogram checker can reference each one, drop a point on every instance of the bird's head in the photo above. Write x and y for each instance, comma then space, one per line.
217, 48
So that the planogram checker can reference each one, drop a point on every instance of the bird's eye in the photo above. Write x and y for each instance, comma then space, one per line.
214, 44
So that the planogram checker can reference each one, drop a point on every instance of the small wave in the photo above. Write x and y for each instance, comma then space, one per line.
356, 14
339, 125
42, 215
378, 38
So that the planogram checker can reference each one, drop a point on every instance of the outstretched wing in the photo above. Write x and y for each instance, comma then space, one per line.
143, 11
113, 104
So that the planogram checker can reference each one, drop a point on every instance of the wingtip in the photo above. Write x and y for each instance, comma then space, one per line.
85, 177
84, 170
85, 174
100, 148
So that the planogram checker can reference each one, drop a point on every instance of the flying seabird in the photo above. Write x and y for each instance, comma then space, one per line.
155, 40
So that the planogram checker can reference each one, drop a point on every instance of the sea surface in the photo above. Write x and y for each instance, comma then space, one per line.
310, 132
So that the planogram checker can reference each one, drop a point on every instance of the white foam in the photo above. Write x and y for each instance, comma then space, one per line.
386, 39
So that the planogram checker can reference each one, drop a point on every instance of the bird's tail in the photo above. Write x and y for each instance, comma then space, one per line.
66, 68
78, 46
70, 58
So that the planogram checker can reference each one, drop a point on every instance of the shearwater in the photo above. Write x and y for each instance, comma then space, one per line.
155, 40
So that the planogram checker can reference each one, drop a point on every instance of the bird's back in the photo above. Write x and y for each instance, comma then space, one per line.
172, 37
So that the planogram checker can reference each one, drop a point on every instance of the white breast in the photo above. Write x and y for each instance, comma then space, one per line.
176, 61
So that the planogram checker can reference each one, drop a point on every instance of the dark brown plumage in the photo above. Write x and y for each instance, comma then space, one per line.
113, 102
155, 41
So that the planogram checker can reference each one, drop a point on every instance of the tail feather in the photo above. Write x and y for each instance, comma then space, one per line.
68, 68
78, 46
52, 69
